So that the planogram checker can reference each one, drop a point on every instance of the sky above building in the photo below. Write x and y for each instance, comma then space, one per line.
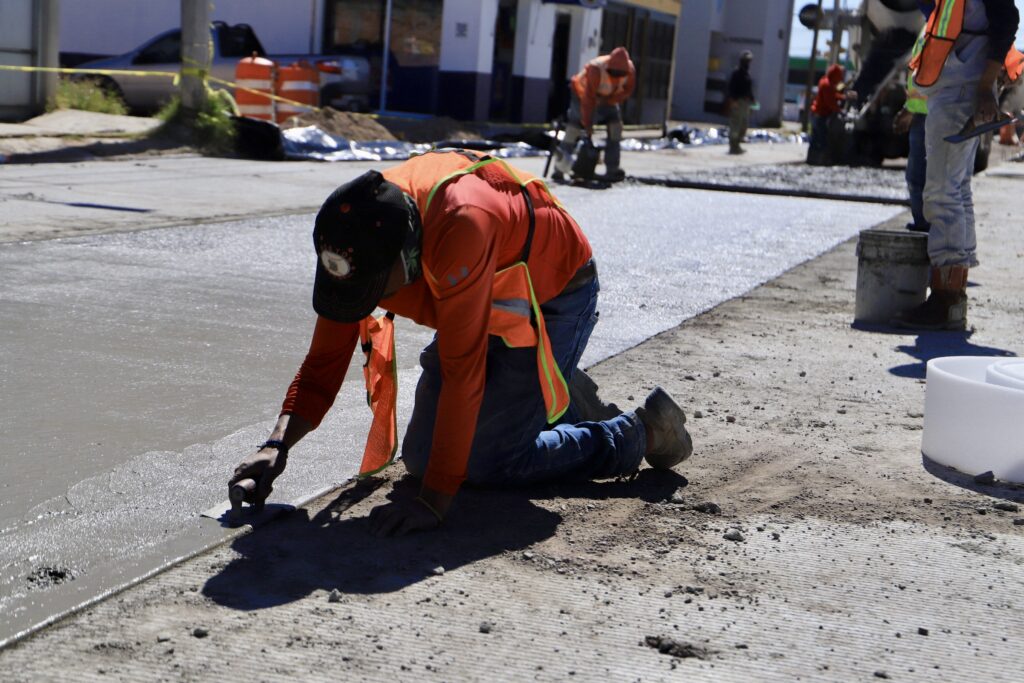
800, 43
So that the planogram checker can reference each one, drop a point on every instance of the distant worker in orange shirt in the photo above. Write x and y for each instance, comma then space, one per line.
484, 254
828, 103
595, 95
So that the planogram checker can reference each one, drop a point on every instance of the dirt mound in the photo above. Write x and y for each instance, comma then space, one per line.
352, 126
430, 130
344, 124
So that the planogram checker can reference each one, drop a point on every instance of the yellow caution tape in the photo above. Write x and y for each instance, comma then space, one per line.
186, 71
99, 72
203, 75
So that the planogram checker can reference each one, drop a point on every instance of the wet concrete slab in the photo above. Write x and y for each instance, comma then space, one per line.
138, 368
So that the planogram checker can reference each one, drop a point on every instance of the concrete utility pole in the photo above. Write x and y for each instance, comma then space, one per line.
384, 58
195, 54
810, 72
837, 34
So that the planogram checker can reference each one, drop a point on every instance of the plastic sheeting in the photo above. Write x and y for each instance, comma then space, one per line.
312, 143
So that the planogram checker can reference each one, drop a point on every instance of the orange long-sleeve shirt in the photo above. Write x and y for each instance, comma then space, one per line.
476, 225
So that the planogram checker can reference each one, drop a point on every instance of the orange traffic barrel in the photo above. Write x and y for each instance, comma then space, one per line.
255, 75
300, 83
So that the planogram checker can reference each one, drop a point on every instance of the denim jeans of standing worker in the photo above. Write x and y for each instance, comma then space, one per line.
917, 164
608, 114
513, 444
948, 200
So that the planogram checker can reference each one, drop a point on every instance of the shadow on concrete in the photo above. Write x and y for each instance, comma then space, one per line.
101, 149
929, 345
1005, 491
296, 555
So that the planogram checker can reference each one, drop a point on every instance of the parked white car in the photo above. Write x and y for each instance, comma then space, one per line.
344, 80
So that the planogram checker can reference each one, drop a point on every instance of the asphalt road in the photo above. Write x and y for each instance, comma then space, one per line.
137, 368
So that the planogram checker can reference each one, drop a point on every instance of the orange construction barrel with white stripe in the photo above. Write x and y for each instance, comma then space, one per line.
300, 83
255, 75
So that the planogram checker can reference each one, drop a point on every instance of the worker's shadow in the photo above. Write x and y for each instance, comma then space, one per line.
292, 557
929, 345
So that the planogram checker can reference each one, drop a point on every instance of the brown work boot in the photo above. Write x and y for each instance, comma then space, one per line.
583, 396
668, 442
946, 306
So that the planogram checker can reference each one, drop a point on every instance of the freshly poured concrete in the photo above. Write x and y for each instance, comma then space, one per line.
136, 369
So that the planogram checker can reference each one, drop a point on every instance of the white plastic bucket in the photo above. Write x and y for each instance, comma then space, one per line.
892, 274
974, 415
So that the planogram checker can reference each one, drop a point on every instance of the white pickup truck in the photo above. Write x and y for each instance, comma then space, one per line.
344, 80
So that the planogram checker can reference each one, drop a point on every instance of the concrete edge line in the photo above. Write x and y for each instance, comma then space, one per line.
181, 223
746, 189
232, 535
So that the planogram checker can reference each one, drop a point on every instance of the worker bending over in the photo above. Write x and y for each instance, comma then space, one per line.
595, 94
487, 256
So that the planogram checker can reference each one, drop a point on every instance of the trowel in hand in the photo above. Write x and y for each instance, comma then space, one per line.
971, 131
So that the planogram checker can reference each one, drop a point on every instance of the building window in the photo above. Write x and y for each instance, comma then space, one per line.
357, 27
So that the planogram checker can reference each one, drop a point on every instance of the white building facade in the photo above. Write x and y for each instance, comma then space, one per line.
504, 60
710, 36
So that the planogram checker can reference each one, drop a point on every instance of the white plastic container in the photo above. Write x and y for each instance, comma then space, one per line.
974, 415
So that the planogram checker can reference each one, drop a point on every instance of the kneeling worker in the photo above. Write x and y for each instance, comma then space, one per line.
485, 255
595, 95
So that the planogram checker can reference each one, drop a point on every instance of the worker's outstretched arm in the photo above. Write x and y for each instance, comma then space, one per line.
267, 464
308, 399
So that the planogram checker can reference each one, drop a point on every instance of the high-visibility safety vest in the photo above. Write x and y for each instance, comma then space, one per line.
606, 87
515, 316
945, 25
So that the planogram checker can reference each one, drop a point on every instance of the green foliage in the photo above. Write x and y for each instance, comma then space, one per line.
212, 129
87, 95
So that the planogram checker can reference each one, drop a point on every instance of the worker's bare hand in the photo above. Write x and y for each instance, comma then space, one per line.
901, 124
987, 109
263, 466
402, 517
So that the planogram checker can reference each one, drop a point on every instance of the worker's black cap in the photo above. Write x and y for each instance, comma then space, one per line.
358, 235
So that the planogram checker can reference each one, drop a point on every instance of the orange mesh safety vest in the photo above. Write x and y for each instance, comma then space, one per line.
607, 86
515, 317
945, 25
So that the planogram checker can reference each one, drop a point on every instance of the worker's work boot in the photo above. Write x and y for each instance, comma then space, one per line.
946, 306
584, 399
668, 441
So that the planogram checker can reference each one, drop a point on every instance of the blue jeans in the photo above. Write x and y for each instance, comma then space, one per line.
917, 167
609, 114
513, 444
948, 200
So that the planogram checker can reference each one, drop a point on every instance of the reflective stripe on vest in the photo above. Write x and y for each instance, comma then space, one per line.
606, 87
936, 42
515, 317
377, 336
513, 289
940, 34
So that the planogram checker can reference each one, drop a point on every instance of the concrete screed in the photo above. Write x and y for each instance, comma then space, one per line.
850, 559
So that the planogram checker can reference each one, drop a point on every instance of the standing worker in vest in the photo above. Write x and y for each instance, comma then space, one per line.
595, 94
740, 100
485, 255
911, 121
957, 64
